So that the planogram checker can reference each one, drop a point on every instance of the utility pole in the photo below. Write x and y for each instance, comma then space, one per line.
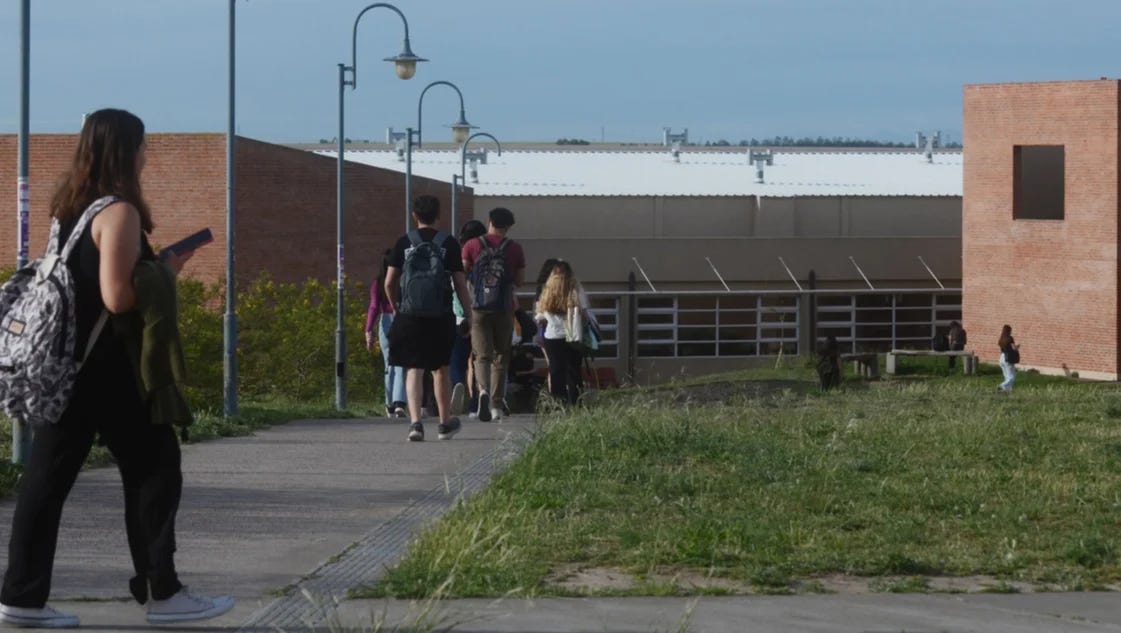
21, 435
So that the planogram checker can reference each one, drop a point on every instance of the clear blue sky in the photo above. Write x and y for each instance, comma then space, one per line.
545, 69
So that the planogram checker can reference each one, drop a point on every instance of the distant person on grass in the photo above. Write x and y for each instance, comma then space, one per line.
829, 363
1009, 356
955, 339
425, 267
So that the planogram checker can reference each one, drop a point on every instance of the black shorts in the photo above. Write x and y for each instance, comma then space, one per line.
421, 342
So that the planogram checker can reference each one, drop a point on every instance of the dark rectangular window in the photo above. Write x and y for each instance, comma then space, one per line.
1039, 182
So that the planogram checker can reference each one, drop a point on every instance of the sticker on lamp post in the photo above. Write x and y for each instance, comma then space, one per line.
24, 211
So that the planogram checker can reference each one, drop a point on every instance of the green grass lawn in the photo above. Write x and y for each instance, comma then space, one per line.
764, 483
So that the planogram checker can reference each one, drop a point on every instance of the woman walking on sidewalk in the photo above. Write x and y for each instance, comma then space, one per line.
380, 317
106, 401
562, 295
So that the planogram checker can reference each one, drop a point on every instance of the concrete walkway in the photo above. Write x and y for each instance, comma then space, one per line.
324, 506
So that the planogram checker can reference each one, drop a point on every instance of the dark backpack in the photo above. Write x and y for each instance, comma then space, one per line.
425, 283
491, 281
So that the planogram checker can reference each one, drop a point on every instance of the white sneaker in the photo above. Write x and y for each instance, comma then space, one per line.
459, 398
45, 618
495, 413
186, 607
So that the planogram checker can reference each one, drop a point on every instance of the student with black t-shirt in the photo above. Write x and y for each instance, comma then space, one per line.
421, 343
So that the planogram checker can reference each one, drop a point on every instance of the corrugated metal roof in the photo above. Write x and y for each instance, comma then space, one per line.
699, 173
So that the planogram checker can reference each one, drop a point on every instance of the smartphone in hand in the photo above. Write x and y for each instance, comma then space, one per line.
188, 244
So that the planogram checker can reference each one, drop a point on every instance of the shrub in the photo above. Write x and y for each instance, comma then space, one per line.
286, 341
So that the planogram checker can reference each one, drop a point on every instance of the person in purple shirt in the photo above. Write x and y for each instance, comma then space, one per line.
380, 316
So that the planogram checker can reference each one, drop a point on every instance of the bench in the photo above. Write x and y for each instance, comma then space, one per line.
865, 365
968, 364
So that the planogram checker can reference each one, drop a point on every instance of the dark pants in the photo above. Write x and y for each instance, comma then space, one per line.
461, 355
828, 372
564, 369
956, 347
149, 460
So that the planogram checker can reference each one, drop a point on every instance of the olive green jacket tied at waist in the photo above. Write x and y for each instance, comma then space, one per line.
151, 336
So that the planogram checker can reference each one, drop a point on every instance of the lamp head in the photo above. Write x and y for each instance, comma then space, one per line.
405, 63
461, 130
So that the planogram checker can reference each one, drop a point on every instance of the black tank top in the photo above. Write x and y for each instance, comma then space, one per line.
107, 377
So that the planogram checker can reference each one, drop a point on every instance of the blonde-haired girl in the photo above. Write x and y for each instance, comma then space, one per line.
562, 295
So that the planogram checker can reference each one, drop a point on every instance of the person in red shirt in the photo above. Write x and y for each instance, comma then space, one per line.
495, 267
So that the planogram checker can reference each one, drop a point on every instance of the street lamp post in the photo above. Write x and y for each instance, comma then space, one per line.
229, 321
21, 435
405, 64
458, 179
460, 130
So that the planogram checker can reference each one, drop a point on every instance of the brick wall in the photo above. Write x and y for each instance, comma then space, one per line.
1054, 281
285, 204
286, 217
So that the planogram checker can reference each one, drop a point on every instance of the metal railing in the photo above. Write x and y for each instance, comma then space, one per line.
700, 324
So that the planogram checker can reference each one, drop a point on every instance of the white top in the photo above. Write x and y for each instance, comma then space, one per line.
556, 323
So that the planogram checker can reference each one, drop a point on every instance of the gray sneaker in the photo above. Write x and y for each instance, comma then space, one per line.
459, 398
185, 606
416, 432
43, 618
448, 429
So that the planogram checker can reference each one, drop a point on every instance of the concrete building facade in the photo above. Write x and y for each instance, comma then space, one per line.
1040, 226
698, 261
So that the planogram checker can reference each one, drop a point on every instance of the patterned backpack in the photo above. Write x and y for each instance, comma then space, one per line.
38, 330
425, 283
491, 280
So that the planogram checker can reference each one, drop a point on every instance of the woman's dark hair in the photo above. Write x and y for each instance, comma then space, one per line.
546, 270
104, 165
565, 266
471, 230
829, 347
386, 259
1005, 337
543, 275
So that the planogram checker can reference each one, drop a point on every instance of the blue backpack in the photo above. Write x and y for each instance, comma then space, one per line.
425, 283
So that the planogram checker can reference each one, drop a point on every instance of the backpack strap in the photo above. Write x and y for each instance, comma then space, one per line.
71, 243
75, 235
438, 239
97, 328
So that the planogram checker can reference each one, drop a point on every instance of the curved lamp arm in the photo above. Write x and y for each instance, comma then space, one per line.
463, 153
405, 61
461, 124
